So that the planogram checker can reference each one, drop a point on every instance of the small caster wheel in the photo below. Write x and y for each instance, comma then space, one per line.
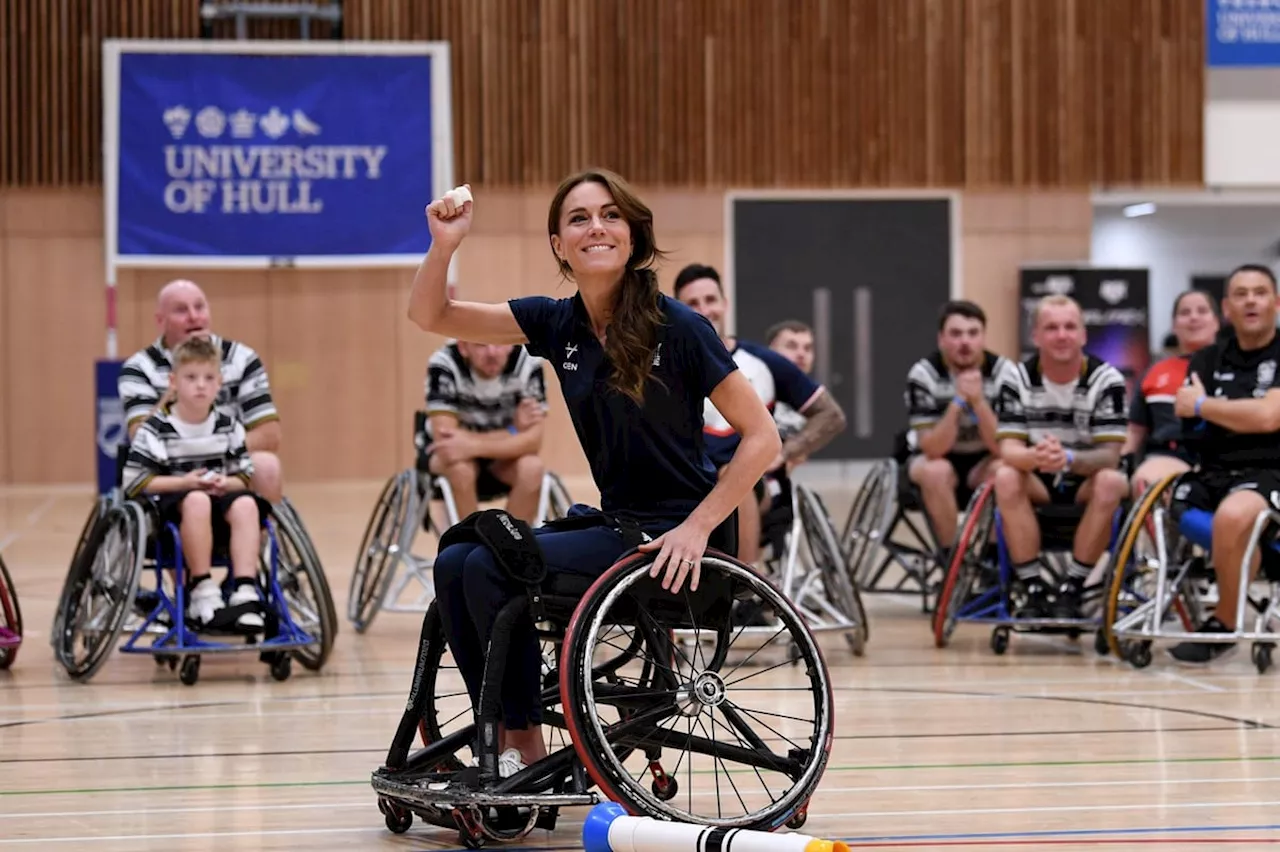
282, 667
799, 818
1262, 657
398, 821
1139, 655
471, 841
1000, 640
190, 671
665, 787
1100, 644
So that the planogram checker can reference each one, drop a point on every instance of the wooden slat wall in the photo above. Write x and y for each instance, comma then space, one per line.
970, 93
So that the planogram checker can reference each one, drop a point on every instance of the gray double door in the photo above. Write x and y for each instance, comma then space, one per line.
869, 275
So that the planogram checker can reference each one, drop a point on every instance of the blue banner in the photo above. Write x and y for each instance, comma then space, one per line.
1243, 33
278, 156
108, 421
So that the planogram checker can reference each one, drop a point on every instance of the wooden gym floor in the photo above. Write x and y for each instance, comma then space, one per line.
1049, 745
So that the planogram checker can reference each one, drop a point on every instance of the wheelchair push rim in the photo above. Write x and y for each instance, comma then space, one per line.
966, 564
621, 757
379, 553
305, 588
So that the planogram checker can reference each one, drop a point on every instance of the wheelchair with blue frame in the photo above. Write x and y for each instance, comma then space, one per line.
980, 587
1164, 583
888, 539
388, 575
125, 539
10, 619
675, 731
804, 559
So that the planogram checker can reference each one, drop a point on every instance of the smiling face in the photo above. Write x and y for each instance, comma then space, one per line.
1251, 303
1059, 333
1194, 322
706, 298
593, 237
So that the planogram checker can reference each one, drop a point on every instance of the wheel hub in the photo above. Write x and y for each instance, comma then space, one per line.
709, 689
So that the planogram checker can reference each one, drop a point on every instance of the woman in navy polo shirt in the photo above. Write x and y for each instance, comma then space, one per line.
635, 367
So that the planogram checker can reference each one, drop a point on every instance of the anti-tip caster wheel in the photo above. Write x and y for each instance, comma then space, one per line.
1100, 644
1139, 655
665, 787
799, 818
1000, 640
1262, 657
398, 819
190, 671
282, 667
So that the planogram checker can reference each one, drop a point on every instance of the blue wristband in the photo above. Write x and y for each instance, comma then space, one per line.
1071, 459
1199, 402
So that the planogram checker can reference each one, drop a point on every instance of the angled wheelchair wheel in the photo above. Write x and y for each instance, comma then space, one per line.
704, 716
305, 588
10, 619
868, 520
1149, 544
101, 506
380, 550
968, 560
101, 590
558, 500
837, 578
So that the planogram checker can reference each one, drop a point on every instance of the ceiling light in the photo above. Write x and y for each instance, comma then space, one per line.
1134, 210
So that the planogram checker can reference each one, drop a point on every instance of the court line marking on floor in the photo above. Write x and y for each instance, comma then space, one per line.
925, 788
204, 835
1190, 681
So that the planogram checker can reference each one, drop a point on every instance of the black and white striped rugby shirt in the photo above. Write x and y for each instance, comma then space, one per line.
167, 446
930, 389
1088, 411
245, 393
482, 405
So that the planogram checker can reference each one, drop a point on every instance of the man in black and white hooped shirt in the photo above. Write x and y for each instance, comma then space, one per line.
1062, 426
485, 410
182, 312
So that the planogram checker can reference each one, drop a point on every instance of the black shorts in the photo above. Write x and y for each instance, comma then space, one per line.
1172, 451
963, 464
1205, 489
1063, 490
488, 486
169, 508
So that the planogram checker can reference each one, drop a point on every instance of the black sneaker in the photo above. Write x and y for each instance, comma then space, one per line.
1070, 595
1035, 600
1203, 653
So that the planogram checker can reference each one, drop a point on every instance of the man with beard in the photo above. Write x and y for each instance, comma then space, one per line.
1062, 426
951, 397
1232, 403
775, 380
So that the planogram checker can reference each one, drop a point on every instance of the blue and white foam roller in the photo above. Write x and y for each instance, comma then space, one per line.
608, 828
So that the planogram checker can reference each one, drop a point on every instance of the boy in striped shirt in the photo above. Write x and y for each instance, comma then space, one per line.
194, 458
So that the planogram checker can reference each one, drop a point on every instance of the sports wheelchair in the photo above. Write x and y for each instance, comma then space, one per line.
620, 690
403, 508
10, 619
125, 537
1163, 585
881, 534
979, 586
815, 577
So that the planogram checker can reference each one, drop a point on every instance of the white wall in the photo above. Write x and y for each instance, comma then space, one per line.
1178, 242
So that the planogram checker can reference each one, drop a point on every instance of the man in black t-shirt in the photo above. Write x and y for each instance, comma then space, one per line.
1231, 387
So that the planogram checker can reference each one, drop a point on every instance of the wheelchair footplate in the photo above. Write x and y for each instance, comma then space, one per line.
455, 800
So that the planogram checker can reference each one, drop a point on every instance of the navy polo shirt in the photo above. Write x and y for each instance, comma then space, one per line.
649, 461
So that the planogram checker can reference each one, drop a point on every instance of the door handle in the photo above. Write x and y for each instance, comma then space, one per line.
822, 336
863, 421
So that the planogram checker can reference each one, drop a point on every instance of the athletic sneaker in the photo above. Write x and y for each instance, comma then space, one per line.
244, 594
204, 600
509, 763
1070, 595
1203, 653
1035, 602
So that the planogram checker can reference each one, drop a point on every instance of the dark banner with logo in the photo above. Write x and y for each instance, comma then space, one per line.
1116, 307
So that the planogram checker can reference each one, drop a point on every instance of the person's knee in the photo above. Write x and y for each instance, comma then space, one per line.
243, 512
450, 564
934, 474
461, 475
1109, 488
527, 472
268, 475
196, 506
1010, 484
1237, 513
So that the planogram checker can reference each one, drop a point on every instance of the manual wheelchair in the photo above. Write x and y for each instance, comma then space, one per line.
404, 507
622, 691
804, 559
126, 539
1163, 585
10, 619
978, 587
887, 528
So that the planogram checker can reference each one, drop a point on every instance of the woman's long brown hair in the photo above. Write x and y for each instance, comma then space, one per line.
637, 315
